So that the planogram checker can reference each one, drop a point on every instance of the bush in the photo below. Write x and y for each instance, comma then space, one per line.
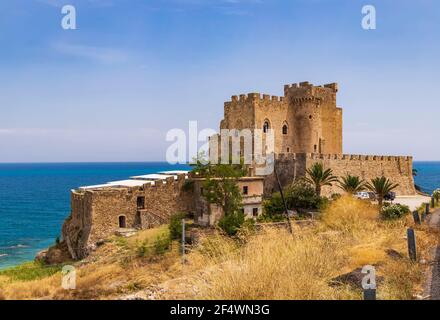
394, 211
231, 223
144, 249
299, 195
175, 226
162, 244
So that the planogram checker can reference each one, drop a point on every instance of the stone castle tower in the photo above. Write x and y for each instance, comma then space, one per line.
305, 120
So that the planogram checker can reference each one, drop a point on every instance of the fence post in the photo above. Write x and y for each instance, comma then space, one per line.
370, 294
416, 217
183, 241
369, 282
412, 250
432, 202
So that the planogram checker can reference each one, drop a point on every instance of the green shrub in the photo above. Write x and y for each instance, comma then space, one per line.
394, 211
299, 195
175, 226
231, 223
162, 244
143, 249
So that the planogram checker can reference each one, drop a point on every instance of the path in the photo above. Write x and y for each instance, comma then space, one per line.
433, 287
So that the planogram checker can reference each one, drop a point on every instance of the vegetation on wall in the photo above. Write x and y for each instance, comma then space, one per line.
352, 184
221, 188
319, 177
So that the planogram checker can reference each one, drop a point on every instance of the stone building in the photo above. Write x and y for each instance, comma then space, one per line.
308, 129
252, 188
307, 126
143, 202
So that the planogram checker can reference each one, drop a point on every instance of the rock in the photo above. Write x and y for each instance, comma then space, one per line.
353, 279
126, 232
41, 256
394, 254
56, 254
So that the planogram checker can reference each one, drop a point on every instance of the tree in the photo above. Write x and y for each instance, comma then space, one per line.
352, 184
318, 177
381, 187
221, 188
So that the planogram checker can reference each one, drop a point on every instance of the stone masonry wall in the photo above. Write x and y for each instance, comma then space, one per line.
397, 169
95, 214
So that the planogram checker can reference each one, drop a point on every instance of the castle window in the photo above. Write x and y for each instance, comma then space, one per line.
122, 222
310, 117
266, 126
245, 190
255, 212
288, 150
285, 129
315, 147
141, 202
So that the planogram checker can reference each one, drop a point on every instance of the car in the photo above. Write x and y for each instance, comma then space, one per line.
362, 195
390, 196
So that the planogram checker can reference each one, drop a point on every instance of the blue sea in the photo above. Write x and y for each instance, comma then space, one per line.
35, 200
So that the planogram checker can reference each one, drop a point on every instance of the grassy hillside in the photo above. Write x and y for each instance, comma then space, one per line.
268, 264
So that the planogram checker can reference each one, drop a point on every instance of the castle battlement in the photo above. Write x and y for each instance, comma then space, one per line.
357, 157
254, 97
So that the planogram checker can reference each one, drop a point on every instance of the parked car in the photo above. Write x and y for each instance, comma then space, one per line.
390, 196
362, 195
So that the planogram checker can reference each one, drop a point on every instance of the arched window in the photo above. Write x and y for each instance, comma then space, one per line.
285, 129
266, 126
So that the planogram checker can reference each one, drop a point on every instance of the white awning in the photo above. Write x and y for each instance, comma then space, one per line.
127, 183
175, 172
153, 177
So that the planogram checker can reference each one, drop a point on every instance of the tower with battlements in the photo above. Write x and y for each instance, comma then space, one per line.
305, 120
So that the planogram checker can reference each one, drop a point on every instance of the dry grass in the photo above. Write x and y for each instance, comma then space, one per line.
271, 264
275, 265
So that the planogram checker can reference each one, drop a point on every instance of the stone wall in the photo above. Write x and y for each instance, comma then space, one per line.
292, 166
95, 213
310, 114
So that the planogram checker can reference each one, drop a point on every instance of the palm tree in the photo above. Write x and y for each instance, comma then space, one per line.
318, 177
352, 184
381, 186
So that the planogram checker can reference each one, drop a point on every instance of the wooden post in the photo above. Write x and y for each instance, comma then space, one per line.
412, 250
432, 202
416, 217
369, 294
183, 241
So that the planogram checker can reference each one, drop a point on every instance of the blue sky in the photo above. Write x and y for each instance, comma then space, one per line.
110, 90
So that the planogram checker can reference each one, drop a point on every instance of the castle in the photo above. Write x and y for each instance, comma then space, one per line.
307, 126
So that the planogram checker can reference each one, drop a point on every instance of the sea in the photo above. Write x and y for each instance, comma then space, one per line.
35, 198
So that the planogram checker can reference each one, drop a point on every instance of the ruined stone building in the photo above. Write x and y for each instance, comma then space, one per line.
308, 129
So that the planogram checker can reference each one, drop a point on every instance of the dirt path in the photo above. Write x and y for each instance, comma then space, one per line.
433, 285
